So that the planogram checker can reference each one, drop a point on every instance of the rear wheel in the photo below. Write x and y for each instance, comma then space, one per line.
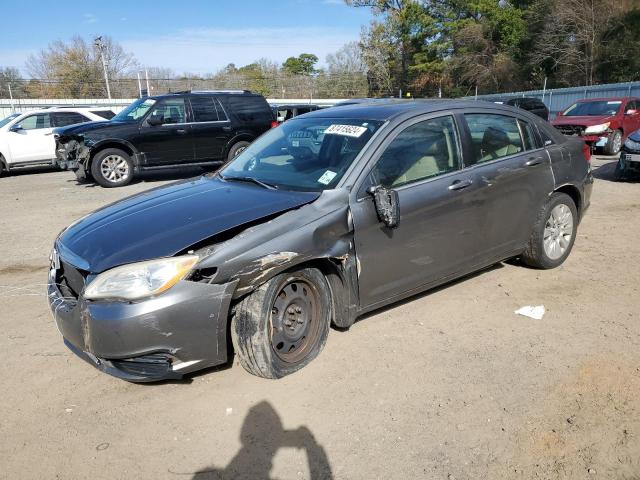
283, 325
3, 168
112, 167
553, 234
236, 150
614, 143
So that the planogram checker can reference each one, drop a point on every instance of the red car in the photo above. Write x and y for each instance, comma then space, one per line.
601, 122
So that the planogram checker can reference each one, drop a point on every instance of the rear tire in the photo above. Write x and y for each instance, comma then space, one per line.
284, 324
614, 143
3, 168
112, 167
236, 150
553, 234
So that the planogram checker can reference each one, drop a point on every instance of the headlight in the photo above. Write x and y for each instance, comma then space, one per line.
597, 128
139, 280
631, 145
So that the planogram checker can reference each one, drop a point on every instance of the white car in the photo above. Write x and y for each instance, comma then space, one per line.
26, 138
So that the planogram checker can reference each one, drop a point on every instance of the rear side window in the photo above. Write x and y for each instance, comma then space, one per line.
62, 119
249, 108
106, 114
204, 109
528, 135
493, 136
222, 115
423, 150
34, 122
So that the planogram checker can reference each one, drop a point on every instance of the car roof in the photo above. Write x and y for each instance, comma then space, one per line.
606, 99
390, 110
63, 109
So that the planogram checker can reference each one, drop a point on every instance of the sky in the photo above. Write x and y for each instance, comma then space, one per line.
194, 36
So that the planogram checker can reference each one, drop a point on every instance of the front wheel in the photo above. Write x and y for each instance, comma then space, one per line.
553, 234
283, 325
614, 143
112, 167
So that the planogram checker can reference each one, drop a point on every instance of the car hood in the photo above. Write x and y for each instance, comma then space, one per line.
81, 128
167, 220
635, 136
585, 121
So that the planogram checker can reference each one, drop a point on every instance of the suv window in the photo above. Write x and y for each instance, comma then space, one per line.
106, 114
34, 122
62, 119
204, 109
250, 108
423, 150
493, 136
222, 115
172, 110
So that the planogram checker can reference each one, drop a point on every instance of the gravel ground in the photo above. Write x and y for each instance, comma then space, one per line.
450, 384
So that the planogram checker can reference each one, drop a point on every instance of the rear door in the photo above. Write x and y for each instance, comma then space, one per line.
438, 229
34, 141
211, 128
171, 142
514, 177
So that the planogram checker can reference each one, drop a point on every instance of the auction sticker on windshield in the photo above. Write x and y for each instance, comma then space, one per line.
346, 130
326, 177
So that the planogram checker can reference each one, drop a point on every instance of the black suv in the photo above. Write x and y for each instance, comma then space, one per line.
195, 128
531, 104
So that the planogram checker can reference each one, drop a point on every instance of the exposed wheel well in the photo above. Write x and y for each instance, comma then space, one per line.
574, 193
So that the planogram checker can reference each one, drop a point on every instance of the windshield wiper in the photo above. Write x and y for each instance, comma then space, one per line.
266, 185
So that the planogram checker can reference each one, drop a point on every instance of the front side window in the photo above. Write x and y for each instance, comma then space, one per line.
172, 110
309, 154
35, 122
136, 110
204, 109
597, 108
423, 150
493, 136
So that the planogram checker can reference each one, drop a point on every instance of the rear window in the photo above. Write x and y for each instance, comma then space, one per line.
106, 114
249, 108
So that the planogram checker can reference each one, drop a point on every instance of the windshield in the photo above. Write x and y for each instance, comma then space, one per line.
4, 121
136, 110
303, 154
599, 108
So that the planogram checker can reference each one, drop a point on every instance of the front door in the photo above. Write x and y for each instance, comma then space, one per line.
172, 141
438, 225
631, 119
33, 141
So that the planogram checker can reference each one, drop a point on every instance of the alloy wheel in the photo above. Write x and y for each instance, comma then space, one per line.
114, 168
558, 231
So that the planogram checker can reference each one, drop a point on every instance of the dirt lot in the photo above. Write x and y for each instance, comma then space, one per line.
450, 384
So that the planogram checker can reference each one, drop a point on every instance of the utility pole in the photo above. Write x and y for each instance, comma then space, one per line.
146, 72
139, 85
101, 46
13, 109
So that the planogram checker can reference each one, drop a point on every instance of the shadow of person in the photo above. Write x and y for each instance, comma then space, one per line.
262, 435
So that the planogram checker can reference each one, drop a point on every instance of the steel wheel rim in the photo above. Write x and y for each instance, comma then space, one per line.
558, 231
295, 320
114, 168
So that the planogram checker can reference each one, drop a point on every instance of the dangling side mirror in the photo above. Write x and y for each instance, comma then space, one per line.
387, 205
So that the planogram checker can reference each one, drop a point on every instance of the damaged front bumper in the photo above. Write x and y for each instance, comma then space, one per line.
72, 154
180, 331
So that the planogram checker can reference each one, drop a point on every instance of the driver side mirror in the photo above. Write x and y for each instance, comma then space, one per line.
631, 111
155, 120
387, 205
16, 128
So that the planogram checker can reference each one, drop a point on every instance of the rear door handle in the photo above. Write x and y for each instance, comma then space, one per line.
460, 184
533, 161
226, 129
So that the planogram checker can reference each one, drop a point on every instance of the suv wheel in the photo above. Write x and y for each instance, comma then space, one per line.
236, 150
614, 143
112, 167
2, 167
284, 324
553, 233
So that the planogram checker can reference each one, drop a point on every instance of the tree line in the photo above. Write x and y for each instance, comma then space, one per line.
423, 48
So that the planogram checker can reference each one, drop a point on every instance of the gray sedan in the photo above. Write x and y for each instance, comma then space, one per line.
331, 215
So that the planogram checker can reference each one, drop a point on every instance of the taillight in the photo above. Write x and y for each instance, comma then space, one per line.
586, 149
274, 124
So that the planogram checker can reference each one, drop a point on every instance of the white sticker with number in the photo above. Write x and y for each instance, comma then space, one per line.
326, 177
346, 130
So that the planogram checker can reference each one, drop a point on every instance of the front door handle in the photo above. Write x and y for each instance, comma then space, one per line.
460, 184
226, 129
181, 131
533, 161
